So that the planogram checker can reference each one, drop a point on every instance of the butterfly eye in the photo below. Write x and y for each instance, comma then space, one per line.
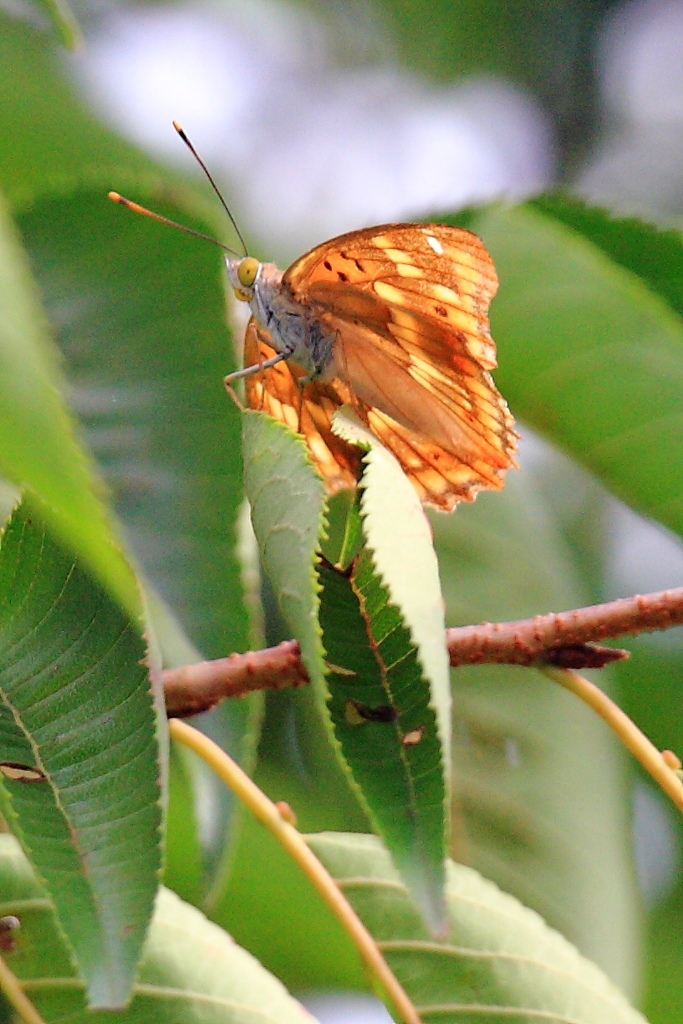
247, 270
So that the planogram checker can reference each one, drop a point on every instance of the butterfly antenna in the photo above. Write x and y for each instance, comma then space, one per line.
136, 208
214, 186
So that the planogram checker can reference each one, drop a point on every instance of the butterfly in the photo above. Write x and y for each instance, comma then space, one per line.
393, 321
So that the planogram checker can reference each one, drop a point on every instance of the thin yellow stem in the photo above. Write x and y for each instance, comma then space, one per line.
14, 993
627, 731
292, 840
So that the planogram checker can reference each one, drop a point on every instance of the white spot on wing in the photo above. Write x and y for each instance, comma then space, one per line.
407, 270
435, 244
397, 255
388, 292
444, 294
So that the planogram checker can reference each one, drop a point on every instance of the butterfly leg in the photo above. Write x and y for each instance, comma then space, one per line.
233, 394
262, 375
254, 368
248, 371
300, 385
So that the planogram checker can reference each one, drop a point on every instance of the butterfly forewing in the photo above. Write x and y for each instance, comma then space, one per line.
407, 305
441, 271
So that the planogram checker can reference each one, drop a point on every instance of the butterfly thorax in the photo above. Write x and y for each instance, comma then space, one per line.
294, 328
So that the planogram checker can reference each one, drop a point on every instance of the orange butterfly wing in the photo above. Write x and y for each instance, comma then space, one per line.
408, 304
308, 409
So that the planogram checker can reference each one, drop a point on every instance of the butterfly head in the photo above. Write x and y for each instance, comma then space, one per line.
243, 274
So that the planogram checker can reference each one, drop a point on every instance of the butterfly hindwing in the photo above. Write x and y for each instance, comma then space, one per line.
440, 478
306, 408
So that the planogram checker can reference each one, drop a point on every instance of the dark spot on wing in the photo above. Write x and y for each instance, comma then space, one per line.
441, 310
327, 265
342, 276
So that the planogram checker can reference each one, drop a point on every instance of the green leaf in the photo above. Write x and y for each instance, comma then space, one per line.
77, 709
590, 355
57, 143
541, 802
344, 528
387, 731
400, 538
38, 449
139, 314
64, 22
183, 854
652, 253
385, 625
663, 968
297, 937
236, 727
272, 908
286, 496
191, 972
407, 797
500, 960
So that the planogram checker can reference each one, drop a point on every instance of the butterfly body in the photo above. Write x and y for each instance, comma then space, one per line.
393, 321
295, 331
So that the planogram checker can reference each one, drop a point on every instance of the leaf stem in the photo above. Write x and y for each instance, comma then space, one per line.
628, 732
14, 993
293, 842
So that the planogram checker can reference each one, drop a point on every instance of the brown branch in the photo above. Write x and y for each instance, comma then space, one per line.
563, 639
194, 688
544, 637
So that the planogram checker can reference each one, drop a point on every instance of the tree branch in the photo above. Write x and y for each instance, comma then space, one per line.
563, 639
194, 688
545, 636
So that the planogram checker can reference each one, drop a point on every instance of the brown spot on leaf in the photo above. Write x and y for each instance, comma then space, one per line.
412, 738
21, 772
9, 926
